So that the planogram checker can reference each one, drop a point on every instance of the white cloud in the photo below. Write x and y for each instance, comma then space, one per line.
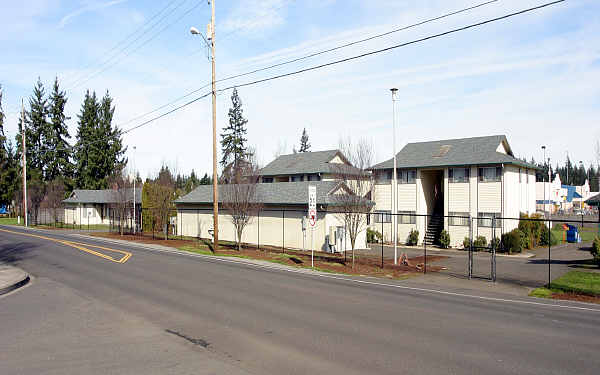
254, 17
88, 7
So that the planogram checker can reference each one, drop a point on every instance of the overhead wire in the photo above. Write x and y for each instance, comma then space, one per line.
137, 48
314, 54
137, 31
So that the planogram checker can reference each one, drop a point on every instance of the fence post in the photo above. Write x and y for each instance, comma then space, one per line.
549, 245
283, 232
493, 250
425, 247
258, 231
470, 261
381, 244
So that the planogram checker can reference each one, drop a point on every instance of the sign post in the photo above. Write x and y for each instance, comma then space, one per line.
312, 219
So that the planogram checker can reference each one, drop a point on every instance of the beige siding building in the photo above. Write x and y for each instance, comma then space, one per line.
454, 181
94, 207
283, 193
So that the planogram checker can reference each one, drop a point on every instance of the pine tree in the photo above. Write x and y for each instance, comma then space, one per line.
36, 121
99, 150
3, 153
57, 162
233, 141
304, 145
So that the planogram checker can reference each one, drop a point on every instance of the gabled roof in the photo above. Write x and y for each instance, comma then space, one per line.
102, 196
455, 152
594, 200
304, 163
276, 193
571, 192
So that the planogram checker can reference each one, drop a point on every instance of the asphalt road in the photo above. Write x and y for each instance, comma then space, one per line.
240, 317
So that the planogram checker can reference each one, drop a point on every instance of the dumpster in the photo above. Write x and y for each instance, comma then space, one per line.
573, 234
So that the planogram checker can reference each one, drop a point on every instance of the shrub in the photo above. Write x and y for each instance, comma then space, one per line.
532, 230
444, 239
413, 237
544, 237
596, 250
373, 235
511, 241
480, 241
466, 243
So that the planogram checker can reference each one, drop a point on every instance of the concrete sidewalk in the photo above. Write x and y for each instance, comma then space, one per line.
11, 278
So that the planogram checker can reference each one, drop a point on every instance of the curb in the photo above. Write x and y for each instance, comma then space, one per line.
17, 285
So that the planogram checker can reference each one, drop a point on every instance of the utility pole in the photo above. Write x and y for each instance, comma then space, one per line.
134, 178
214, 119
395, 180
24, 162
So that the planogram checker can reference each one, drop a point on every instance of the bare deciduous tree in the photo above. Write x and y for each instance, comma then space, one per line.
161, 196
55, 193
240, 197
122, 197
352, 199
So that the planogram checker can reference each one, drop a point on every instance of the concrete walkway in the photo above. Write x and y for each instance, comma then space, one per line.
11, 278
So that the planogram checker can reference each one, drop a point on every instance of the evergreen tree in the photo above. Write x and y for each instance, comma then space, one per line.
99, 150
206, 180
36, 121
8, 170
233, 141
57, 162
2, 136
304, 145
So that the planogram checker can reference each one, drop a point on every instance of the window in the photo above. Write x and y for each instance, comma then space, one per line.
491, 174
298, 178
484, 219
519, 175
526, 176
382, 217
460, 219
458, 174
267, 180
384, 176
314, 177
406, 177
407, 217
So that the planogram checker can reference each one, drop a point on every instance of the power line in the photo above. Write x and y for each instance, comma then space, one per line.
359, 41
110, 64
415, 41
312, 54
135, 32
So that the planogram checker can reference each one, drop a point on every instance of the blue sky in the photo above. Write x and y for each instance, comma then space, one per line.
535, 77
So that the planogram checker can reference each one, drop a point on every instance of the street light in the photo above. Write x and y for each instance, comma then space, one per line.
544, 180
394, 180
211, 37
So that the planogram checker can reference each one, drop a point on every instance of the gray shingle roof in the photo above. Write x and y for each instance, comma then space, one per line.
302, 163
276, 193
102, 196
454, 152
594, 200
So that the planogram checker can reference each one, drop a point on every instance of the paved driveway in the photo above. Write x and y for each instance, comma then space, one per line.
528, 272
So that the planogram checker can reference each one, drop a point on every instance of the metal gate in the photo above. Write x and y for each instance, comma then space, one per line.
482, 259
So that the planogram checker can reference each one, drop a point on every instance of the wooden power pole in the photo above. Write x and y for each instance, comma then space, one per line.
214, 119
24, 162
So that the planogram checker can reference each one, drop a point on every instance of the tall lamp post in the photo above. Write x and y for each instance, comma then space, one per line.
394, 178
544, 179
134, 178
211, 43
581, 165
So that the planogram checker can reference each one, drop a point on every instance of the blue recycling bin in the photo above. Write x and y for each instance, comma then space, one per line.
573, 234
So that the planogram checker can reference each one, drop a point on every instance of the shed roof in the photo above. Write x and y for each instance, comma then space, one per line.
276, 193
455, 152
102, 196
304, 163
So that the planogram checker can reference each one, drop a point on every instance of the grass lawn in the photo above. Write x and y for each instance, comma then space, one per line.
587, 233
8, 220
575, 283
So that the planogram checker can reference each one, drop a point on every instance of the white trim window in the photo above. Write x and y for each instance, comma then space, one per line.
407, 176
383, 177
382, 217
407, 217
458, 219
490, 174
484, 219
458, 174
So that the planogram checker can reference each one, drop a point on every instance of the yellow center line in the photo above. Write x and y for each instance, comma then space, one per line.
82, 247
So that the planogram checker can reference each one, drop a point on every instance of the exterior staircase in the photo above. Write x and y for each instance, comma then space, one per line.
435, 225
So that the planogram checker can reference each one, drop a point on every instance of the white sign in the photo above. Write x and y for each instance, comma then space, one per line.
312, 205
